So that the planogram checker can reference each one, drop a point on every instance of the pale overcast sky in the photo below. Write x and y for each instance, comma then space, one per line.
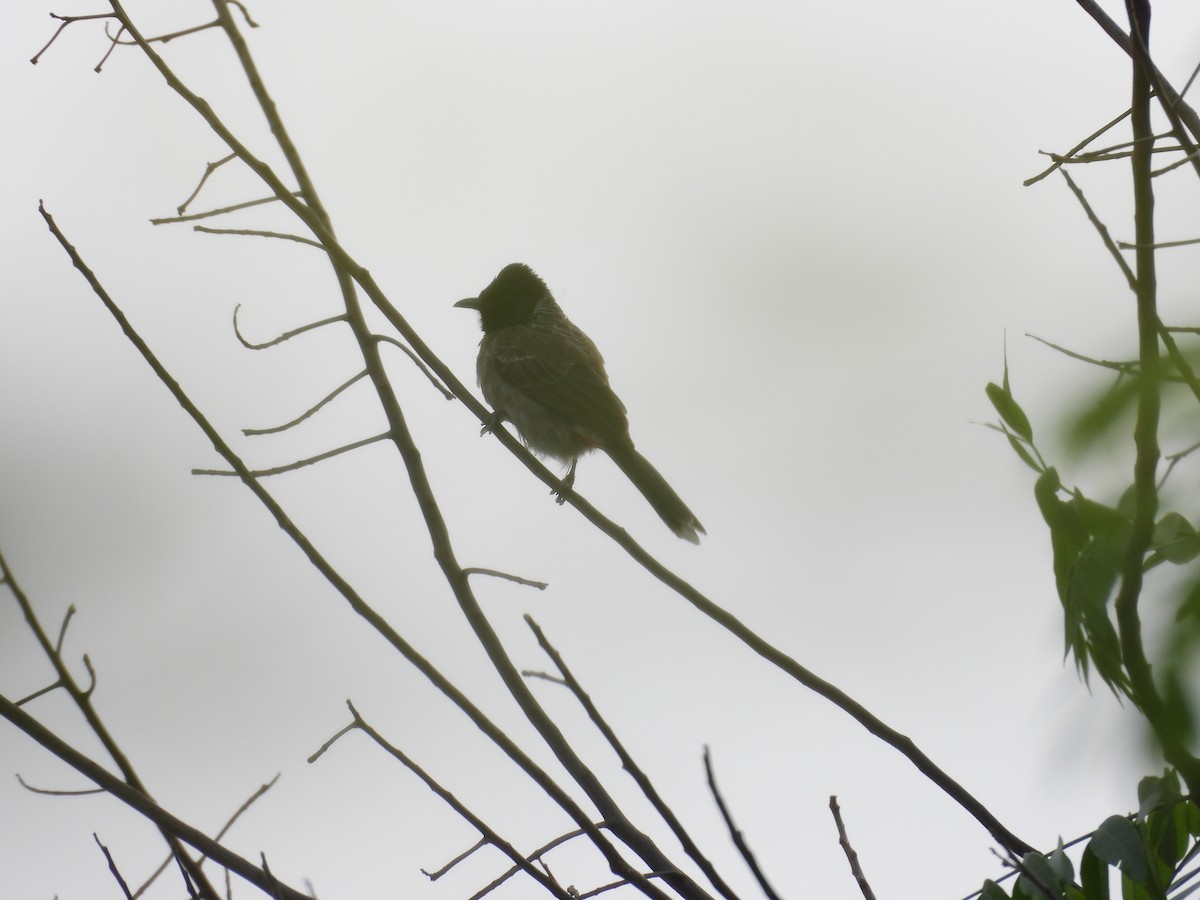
798, 233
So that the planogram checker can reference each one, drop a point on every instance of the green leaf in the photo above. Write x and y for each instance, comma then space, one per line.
992, 891
1155, 791
1061, 864
1010, 411
1093, 876
1023, 453
1117, 843
1174, 540
1132, 890
1038, 875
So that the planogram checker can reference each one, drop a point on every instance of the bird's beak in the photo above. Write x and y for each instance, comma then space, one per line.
469, 303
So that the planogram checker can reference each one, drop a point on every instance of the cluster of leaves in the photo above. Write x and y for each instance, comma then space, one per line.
1152, 850
1089, 542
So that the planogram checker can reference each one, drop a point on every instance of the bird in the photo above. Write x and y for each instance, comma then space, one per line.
545, 376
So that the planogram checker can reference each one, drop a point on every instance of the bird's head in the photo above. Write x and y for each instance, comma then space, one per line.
510, 299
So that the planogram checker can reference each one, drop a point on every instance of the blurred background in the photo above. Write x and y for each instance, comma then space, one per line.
798, 233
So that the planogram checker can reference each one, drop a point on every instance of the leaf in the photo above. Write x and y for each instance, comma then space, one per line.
1174, 540
1093, 876
1037, 873
992, 891
1155, 791
1010, 411
1061, 864
1023, 453
1117, 843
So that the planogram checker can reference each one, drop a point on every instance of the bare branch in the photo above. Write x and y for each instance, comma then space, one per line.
1102, 230
628, 763
66, 20
112, 867
384, 339
287, 335
851, 855
1126, 245
62, 631
738, 840
52, 793
142, 803
299, 464
82, 700
252, 432
218, 212
466, 854
487, 833
1059, 160
343, 587
208, 170
259, 792
253, 233
540, 585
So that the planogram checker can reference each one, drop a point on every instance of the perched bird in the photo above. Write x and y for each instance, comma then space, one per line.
544, 375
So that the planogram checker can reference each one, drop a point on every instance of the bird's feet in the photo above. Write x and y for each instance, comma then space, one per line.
491, 424
564, 486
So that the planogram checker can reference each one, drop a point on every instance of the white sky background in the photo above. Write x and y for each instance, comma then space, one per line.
798, 233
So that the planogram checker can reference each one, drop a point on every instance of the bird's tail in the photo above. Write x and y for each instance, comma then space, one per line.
655, 489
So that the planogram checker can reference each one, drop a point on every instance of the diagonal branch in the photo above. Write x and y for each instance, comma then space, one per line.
736, 835
139, 801
343, 587
313, 219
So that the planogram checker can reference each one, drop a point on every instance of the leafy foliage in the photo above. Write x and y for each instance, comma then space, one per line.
1156, 852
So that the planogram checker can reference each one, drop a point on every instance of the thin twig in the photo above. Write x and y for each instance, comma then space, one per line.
253, 432
207, 214
486, 832
298, 464
287, 335
475, 570
1126, 245
250, 232
384, 339
139, 801
848, 849
739, 840
628, 763
66, 20
82, 698
1128, 368
1070, 153
208, 170
466, 854
1102, 230
52, 793
112, 867
249, 801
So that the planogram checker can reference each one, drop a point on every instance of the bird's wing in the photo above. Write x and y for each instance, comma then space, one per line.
563, 371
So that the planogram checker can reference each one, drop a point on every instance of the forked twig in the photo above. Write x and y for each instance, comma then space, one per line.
487, 833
